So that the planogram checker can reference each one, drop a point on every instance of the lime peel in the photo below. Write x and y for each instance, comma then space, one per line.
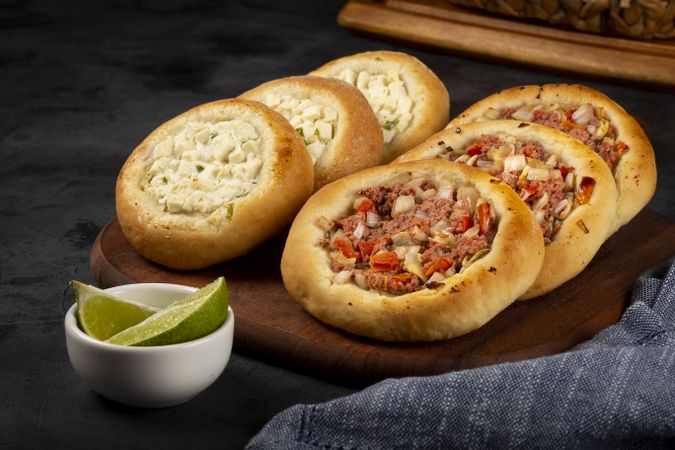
189, 318
101, 315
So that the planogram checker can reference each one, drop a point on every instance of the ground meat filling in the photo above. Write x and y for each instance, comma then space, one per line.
543, 182
407, 237
585, 123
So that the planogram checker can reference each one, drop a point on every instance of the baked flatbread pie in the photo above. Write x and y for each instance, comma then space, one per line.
334, 119
212, 183
567, 187
417, 251
410, 101
591, 117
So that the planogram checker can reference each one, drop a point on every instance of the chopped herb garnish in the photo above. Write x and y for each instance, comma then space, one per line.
214, 134
300, 132
316, 132
377, 58
389, 124
165, 180
200, 167
230, 210
166, 207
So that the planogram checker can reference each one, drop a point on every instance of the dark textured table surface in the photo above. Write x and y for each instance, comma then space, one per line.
81, 83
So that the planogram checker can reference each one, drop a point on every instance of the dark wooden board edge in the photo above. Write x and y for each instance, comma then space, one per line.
467, 32
273, 327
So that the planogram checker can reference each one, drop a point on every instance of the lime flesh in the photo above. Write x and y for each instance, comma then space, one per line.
102, 315
186, 319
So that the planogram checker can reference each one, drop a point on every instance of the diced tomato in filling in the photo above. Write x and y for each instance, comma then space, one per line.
366, 247
563, 171
384, 262
585, 190
483, 211
467, 222
475, 149
365, 206
440, 265
402, 277
346, 248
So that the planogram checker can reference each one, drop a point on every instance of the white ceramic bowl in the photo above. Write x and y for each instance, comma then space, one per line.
149, 377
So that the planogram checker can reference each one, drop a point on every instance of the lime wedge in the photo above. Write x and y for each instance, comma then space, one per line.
186, 319
102, 315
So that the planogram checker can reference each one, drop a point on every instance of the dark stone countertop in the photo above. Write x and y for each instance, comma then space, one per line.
81, 83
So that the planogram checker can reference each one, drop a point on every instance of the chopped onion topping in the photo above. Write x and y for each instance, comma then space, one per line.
539, 204
462, 159
421, 214
562, 209
445, 191
436, 278
471, 232
583, 114
358, 232
569, 181
360, 281
469, 194
403, 204
540, 216
514, 163
342, 277
372, 219
429, 193
537, 174
438, 226
523, 113
413, 264
402, 238
419, 234
602, 129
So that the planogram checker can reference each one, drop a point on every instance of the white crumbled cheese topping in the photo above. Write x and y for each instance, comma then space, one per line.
316, 123
204, 167
387, 95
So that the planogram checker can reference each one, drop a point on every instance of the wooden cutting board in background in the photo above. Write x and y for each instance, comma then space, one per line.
270, 325
440, 25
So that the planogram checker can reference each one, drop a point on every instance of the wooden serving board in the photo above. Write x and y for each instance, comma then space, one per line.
440, 25
269, 324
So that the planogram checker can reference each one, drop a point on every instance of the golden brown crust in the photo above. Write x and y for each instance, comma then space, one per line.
463, 303
431, 100
357, 143
189, 241
635, 173
588, 225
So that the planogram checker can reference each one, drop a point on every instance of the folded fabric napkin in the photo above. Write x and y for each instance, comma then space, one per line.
616, 390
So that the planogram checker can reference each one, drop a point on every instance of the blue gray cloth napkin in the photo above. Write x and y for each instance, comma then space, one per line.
617, 390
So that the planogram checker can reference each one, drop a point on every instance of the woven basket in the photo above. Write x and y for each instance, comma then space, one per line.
632, 18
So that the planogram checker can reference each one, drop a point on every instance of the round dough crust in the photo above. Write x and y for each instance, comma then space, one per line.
431, 100
357, 143
464, 302
584, 230
635, 172
189, 241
